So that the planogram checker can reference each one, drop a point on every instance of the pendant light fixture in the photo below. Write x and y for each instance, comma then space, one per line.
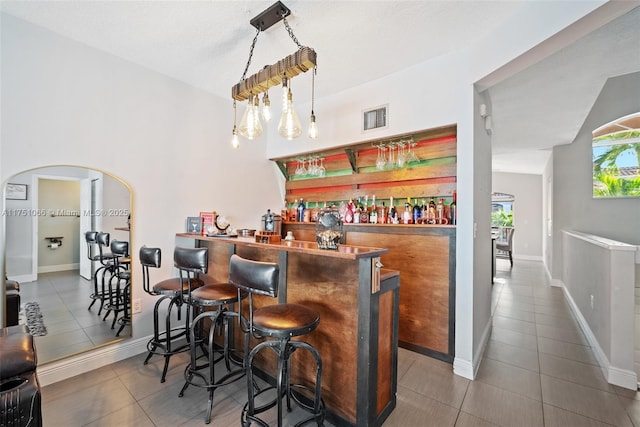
283, 71
235, 141
313, 126
289, 126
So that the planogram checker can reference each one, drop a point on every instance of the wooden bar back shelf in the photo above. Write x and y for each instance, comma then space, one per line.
351, 170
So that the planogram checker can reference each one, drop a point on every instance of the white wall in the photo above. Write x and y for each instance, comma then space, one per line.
527, 211
65, 103
574, 208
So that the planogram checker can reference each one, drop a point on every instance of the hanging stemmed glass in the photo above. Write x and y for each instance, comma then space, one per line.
301, 170
401, 155
321, 169
381, 160
391, 163
411, 154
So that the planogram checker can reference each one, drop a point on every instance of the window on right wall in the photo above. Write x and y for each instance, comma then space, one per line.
616, 158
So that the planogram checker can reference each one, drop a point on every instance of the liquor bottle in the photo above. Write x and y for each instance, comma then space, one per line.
382, 215
406, 215
392, 211
348, 215
453, 213
440, 211
357, 211
425, 211
342, 210
364, 215
373, 213
306, 216
417, 212
432, 211
301, 209
293, 211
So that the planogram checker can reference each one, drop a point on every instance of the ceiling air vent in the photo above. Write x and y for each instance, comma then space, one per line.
375, 118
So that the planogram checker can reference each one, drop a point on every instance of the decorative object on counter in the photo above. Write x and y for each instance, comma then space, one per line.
267, 237
289, 236
245, 232
329, 229
207, 222
194, 224
249, 88
272, 222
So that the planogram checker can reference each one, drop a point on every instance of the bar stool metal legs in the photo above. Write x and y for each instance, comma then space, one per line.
284, 348
172, 294
219, 296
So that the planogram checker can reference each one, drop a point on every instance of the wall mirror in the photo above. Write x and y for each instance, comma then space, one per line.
46, 252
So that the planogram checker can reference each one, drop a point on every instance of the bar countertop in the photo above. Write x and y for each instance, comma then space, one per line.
300, 246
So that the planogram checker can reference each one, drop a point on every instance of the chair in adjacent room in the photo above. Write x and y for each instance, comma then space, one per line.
214, 304
119, 285
504, 245
173, 292
282, 322
107, 265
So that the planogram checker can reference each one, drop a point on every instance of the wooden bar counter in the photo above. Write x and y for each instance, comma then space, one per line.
358, 305
425, 256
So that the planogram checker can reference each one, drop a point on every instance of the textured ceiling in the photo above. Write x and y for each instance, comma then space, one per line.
206, 44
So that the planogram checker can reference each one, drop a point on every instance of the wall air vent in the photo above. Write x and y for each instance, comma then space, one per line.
375, 118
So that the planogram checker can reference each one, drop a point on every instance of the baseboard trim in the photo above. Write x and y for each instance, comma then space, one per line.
68, 367
527, 257
61, 267
469, 370
614, 375
25, 278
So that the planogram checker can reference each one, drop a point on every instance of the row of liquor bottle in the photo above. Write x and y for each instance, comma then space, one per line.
413, 211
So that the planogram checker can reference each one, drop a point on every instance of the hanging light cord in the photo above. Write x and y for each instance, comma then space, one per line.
253, 45
313, 86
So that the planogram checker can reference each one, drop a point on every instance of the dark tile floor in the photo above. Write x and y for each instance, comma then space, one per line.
538, 370
63, 298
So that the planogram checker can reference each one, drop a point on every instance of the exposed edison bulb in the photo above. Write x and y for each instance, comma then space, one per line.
289, 126
313, 127
250, 126
266, 107
235, 141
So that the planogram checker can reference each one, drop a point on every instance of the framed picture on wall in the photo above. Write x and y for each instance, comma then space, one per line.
16, 191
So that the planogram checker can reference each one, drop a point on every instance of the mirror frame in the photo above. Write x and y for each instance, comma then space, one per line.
4, 243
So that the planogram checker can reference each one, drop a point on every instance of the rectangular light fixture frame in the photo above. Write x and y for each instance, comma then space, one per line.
272, 15
271, 75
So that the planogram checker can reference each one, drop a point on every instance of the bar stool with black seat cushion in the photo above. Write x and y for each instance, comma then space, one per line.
120, 279
172, 340
282, 322
221, 297
100, 293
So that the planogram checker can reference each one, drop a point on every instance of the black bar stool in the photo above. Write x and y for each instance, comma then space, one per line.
172, 291
218, 296
282, 322
106, 266
117, 295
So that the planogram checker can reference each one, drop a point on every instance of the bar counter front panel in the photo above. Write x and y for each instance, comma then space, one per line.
425, 257
357, 337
